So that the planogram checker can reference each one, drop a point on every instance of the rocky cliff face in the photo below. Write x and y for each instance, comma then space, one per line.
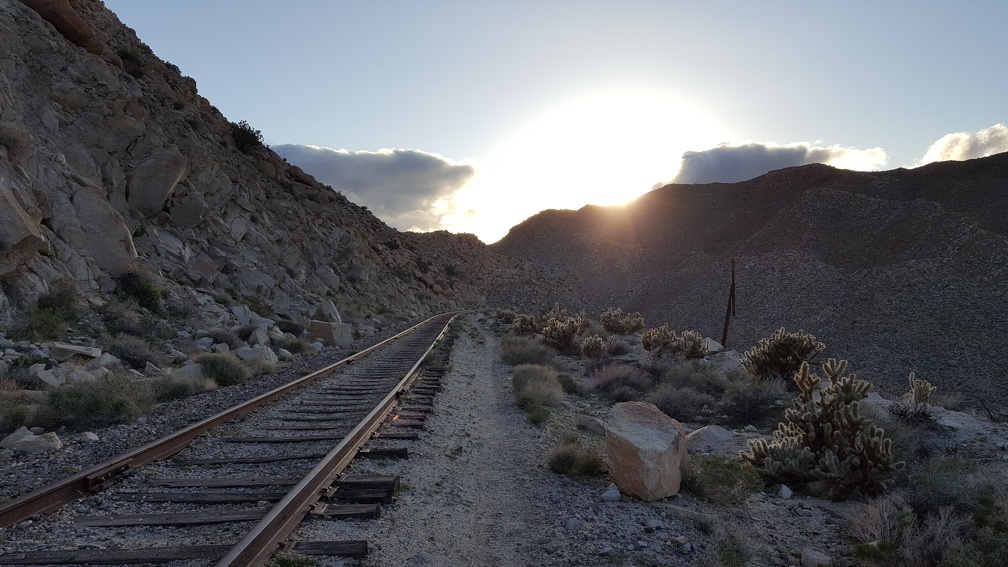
112, 163
897, 271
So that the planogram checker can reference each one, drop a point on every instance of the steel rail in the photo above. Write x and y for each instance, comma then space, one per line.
265, 538
94, 479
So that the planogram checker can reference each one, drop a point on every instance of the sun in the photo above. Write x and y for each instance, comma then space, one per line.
605, 147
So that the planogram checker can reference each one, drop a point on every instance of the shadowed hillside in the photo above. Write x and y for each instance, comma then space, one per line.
898, 271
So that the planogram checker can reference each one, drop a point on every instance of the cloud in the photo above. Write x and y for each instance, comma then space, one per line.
726, 163
408, 189
962, 145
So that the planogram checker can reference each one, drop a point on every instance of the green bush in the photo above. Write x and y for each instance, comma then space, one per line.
224, 369
62, 301
288, 326
141, 288
568, 383
132, 60
169, 389
524, 350
38, 324
116, 398
535, 388
720, 480
246, 137
572, 459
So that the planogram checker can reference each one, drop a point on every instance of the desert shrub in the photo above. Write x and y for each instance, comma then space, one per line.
749, 400
293, 346
695, 375
136, 352
245, 331
170, 389
946, 481
684, 404
572, 459
826, 438
227, 337
37, 324
259, 306
116, 398
890, 533
568, 383
246, 137
140, 287
912, 414
781, 355
593, 347
537, 415
614, 321
12, 416
224, 369
657, 340
618, 347
613, 377
626, 394
62, 300
288, 326
505, 316
524, 350
536, 384
721, 480
132, 60
662, 342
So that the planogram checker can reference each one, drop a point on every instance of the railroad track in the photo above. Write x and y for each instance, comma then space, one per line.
228, 490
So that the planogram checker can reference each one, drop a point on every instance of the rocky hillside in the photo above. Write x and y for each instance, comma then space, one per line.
897, 271
111, 163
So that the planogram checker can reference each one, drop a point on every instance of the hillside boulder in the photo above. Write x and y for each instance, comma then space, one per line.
152, 182
108, 240
646, 450
331, 334
20, 237
68, 23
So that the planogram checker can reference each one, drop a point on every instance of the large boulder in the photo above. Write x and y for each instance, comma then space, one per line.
153, 181
68, 22
107, 239
257, 354
24, 441
20, 236
646, 450
332, 334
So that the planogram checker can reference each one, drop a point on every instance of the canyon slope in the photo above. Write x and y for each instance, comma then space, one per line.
898, 271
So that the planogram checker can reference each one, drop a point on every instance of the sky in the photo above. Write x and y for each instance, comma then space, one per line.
472, 116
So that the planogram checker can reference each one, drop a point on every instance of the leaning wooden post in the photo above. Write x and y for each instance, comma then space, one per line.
731, 307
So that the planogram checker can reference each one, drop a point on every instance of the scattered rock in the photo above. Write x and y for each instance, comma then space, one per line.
813, 558
708, 437
24, 441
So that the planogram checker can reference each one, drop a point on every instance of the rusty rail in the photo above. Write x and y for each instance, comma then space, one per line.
67, 490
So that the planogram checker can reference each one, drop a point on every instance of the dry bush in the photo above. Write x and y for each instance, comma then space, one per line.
618, 347
594, 347
526, 325
572, 459
116, 398
223, 369
535, 384
524, 350
684, 404
748, 400
781, 355
891, 533
561, 332
696, 375
721, 480
613, 377
136, 352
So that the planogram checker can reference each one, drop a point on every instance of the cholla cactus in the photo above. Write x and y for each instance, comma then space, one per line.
781, 355
526, 325
826, 438
614, 321
690, 344
593, 347
658, 340
561, 332
920, 391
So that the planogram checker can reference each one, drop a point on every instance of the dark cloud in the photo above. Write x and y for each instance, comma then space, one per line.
408, 189
963, 145
737, 163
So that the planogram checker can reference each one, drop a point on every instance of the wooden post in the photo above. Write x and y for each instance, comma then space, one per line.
731, 307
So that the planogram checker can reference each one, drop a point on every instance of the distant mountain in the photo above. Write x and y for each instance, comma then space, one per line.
897, 271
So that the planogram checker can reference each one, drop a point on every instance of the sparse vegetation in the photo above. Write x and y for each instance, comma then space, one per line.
246, 137
570, 458
720, 480
536, 387
140, 287
524, 350
223, 369
50, 318
116, 398
593, 347
614, 321
136, 352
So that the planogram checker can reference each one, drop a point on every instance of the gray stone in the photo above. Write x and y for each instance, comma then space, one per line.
784, 492
259, 337
612, 494
108, 241
332, 334
257, 354
192, 372
708, 437
88, 436
813, 558
326, 311
591, 424
242, 313
20, 236
572, 525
